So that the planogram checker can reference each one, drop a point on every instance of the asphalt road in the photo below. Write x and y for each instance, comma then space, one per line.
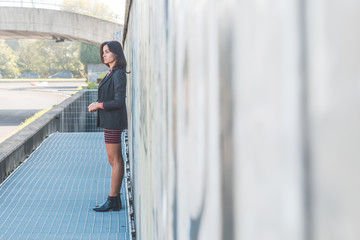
21, 100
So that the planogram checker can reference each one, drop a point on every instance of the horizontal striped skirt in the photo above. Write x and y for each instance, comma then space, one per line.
112, 136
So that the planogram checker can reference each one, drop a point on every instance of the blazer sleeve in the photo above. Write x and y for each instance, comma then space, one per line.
119, 83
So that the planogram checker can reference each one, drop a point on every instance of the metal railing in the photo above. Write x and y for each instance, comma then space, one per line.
129, 195
60, 6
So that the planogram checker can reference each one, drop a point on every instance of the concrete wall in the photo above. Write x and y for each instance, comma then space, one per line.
244, 119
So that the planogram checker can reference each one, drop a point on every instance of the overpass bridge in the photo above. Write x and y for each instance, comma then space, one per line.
17, 22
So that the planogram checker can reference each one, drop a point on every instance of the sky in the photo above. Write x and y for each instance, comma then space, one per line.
117, 6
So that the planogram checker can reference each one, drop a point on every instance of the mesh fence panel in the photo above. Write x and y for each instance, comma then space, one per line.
76, 118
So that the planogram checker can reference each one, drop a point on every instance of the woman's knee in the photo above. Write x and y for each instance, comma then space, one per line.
113, 160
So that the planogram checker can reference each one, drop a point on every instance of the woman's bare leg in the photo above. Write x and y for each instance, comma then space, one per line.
117, 167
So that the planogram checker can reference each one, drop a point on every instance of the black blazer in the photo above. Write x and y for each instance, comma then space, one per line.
112, 92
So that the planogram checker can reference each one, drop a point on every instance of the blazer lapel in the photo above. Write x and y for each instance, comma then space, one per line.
105, 80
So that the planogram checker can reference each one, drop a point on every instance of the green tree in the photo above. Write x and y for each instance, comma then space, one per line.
90, 8
89, 53
63, 56
29, 57
8, 66
13, 43
47, 57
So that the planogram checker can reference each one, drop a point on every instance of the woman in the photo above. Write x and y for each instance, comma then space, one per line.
112, 117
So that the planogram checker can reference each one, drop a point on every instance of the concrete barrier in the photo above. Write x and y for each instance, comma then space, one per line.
69, 116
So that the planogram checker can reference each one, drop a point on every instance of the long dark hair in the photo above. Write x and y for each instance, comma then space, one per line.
114, 47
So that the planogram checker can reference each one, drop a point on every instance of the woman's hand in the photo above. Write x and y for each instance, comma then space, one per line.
94, 107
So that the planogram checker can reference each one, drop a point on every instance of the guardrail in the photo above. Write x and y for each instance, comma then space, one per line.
69, 116
56, 5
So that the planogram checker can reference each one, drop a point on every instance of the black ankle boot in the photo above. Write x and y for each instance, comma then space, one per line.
111, 204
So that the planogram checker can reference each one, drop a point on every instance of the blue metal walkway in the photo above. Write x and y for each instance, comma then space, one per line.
51, 195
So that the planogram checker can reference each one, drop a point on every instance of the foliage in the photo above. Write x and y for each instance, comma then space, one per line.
89, 53
101, 76
47, 57
91, 85
93, 8
8, 67
28, 121
30, 57
32, 118
13, 43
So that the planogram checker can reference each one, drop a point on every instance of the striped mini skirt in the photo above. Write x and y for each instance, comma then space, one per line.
112, 136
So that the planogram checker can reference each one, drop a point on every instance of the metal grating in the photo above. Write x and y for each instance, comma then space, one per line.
51, 195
